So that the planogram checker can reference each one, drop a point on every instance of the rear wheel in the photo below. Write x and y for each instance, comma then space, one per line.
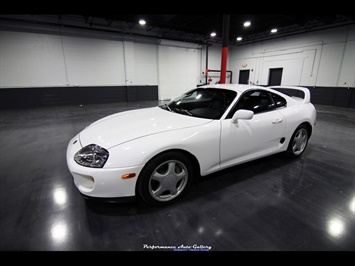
165, 179
298, 142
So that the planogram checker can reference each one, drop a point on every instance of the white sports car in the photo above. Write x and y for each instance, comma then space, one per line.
155, 153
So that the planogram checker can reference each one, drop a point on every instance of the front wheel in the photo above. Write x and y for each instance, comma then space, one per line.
165, 179
298, 142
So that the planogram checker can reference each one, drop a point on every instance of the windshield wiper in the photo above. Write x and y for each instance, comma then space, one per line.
182, 111
178, 110
166, 107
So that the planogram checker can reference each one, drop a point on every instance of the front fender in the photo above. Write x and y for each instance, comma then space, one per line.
201, 141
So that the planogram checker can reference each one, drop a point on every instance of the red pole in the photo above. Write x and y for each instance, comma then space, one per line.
224, 49
224, 65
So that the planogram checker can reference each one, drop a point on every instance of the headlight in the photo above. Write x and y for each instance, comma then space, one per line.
92, 156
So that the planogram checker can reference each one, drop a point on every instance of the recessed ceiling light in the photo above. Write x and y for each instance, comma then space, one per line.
142, 22
239, 39
273, 30
213, 34
247, 24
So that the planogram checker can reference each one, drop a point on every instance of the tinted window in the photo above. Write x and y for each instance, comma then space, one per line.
279, 101
257, 101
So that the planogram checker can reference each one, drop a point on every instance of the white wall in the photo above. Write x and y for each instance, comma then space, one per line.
321, 58
141, 64
93, 62
179, 68
31, 60
44, 60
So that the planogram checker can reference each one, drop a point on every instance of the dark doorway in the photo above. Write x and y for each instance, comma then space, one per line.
275, 76
244, 76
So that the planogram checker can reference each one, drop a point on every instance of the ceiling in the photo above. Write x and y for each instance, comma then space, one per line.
195, 28
198, 27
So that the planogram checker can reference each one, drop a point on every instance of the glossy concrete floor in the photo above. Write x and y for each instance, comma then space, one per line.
272, 204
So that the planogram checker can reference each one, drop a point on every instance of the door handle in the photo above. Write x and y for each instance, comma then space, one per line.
278, 121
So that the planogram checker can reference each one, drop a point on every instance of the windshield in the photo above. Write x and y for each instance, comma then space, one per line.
204, 103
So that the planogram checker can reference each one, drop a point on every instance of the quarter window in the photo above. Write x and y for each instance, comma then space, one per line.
280, 102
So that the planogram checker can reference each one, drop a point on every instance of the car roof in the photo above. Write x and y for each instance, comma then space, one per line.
234, 87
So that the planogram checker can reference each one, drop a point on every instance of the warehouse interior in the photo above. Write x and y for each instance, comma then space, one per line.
60, 72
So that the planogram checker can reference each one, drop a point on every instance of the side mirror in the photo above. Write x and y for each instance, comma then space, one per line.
242, 114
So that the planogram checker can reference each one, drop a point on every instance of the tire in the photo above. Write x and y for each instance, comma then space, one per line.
165, 179
298, 142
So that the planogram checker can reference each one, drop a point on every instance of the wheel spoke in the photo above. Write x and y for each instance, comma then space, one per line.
157, 193
173, 190
168, 180
299, 142
171, 168
158, 177
180, 176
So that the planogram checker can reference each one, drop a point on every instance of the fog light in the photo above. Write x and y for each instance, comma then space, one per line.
127, 176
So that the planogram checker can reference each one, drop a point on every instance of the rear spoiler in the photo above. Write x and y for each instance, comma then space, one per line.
307, 94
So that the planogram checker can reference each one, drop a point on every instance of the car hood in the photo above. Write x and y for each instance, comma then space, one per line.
125, 126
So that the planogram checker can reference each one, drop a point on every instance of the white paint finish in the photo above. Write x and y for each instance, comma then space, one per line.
134, 137
250, 138
108, 182
201, 140
134, 124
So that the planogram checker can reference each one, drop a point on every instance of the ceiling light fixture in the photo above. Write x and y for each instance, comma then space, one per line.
142, 22
213, 34
247, 24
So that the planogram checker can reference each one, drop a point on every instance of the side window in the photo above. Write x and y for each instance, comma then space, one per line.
280, 102
257, 101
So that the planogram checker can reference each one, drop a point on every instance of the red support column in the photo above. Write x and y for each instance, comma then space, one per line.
224, 65
224, 49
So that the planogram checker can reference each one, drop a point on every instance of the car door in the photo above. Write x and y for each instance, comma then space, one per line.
248, 139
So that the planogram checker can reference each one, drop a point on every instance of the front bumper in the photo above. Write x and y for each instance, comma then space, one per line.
100, 182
